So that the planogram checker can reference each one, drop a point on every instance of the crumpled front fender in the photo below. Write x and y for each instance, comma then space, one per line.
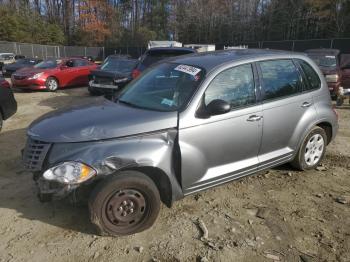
154, 150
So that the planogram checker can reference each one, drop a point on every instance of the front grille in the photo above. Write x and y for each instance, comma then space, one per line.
19, 77
34, 154
103, 81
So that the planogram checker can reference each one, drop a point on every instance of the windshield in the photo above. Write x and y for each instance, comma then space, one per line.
25, 61
7, 56
47, 64
118, 65
167, 87
324, 60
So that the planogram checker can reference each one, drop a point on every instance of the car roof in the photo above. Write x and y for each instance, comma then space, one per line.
170, 49
210, 60
323, 51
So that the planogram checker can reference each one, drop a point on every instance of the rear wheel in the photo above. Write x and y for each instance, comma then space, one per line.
51, 84
124, 204
312, 150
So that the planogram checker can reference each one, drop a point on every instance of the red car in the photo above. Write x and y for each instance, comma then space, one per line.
52, 74
4, 83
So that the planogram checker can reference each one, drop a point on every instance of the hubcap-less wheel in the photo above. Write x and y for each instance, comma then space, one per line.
125, 203
314, 150
52, 84
126, 207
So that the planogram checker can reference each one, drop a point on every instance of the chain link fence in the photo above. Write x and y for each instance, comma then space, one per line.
48, 51
343, 44
99, 53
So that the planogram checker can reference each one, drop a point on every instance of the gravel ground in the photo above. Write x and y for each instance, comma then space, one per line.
280, 215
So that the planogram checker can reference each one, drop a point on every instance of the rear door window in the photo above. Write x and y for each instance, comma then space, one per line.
312, 78
235, 86
80, 62
280, 78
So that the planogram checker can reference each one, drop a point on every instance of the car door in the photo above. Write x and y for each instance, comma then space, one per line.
286, 111
66, 73
83, 68
219, 148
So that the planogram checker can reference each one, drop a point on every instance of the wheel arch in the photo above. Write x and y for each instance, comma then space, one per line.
161, 180
327, 127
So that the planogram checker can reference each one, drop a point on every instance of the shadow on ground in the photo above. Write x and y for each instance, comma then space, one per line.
18, 191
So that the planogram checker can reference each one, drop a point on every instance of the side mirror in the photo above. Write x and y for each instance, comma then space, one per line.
218, 107
63, 67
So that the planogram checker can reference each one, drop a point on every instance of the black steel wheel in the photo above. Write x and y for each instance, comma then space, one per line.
124, 204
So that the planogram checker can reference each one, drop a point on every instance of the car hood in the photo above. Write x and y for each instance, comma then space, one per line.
110, 74
32, 71
16, 66
98, 120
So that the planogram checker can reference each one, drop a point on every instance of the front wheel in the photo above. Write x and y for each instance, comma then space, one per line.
312, 150
124, 204
52, 84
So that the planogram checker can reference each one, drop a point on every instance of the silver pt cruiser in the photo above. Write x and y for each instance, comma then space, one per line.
187, 124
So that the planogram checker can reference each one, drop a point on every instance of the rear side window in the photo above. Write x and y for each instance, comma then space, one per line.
280, 78
80, 62
313, 81
235, 86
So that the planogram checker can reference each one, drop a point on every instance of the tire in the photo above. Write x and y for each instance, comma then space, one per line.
94, 92
51, 84
316, 153
124, 204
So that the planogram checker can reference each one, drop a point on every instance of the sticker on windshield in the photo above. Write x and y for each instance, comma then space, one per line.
188, 69
167, 102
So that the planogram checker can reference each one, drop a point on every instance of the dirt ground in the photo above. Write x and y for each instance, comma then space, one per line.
281, 215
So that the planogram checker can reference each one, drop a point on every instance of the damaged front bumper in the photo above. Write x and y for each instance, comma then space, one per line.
51, 190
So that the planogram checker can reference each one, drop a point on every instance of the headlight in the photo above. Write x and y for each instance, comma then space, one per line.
69, 173
332, 78
36, 76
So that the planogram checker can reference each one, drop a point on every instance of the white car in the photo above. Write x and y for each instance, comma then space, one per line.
7, 58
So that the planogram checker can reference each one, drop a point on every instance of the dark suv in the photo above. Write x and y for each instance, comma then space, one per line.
112, 76
154, 55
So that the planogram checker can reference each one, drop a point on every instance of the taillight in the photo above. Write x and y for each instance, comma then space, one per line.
135, 73
5, 84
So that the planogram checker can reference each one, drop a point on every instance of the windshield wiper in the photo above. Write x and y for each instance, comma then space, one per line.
128, 103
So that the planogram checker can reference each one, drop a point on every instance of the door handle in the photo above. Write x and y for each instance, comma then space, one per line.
306, 104
254, 118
